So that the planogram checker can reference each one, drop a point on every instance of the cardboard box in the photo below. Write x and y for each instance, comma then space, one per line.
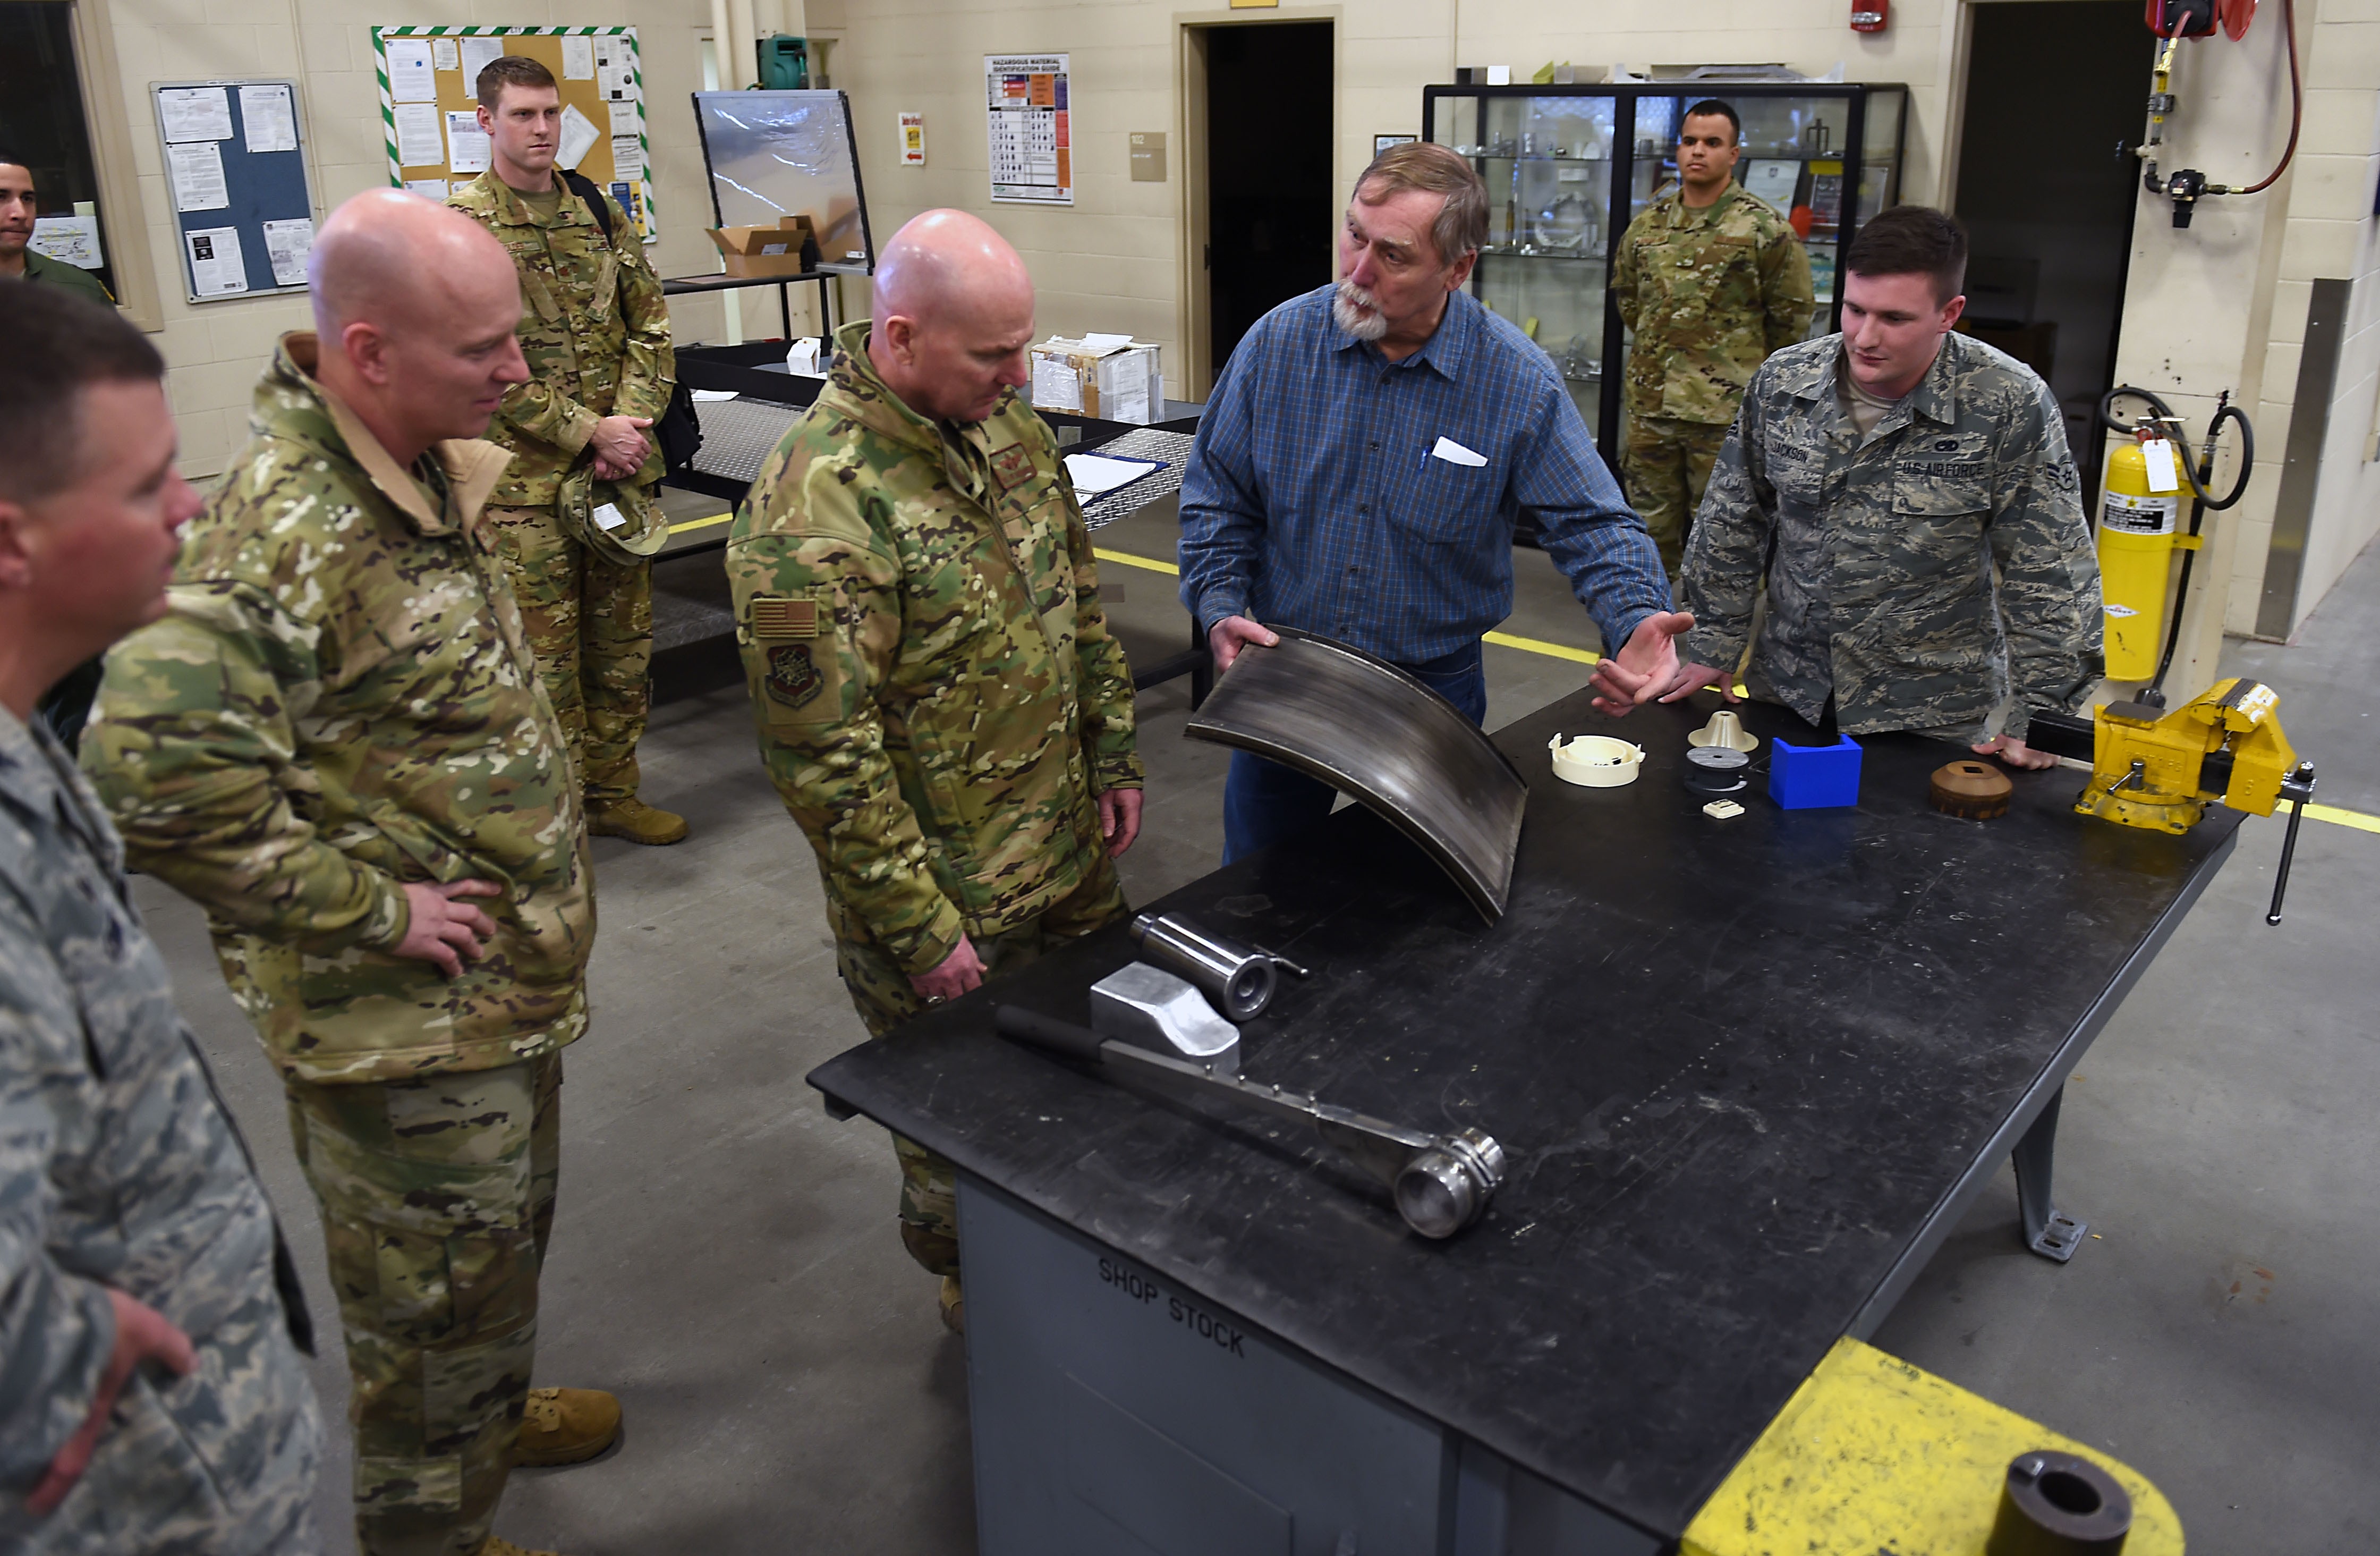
775, 250
1109, 377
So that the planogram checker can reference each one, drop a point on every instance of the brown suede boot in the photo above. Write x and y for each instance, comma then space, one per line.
565, 1426
635, 820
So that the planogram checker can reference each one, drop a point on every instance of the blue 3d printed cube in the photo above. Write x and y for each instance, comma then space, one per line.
1812, 777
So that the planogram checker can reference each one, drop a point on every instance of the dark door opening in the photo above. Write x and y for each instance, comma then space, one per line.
1269, 204
2045, 181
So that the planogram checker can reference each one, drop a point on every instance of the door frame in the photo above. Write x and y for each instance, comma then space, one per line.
1193, 309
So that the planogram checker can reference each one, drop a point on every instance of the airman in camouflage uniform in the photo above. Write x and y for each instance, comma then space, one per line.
938, 697
1710, 294
342, 702
121, 1170
596, 333
153, 1400
1881, 596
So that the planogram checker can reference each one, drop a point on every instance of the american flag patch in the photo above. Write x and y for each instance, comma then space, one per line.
785, 618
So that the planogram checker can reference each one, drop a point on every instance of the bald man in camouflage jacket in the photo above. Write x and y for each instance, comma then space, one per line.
938, 700
337, 743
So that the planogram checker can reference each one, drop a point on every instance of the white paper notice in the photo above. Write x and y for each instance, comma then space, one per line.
287, 244
1094, 473
420, 142
217, 268
269, 119
196, 172
2163, 477
627, 158
615, 76
1455, 454
478, 55
578, 59
627, 117
428, 189
609, 516
409, 76
578, 138
443, 55
467, 144
1104, 345
195, 112
72, 240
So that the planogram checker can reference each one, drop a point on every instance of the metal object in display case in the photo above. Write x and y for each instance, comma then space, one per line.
1568, 167
1370, 731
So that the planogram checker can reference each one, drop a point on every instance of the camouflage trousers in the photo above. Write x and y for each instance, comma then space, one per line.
590, 624
437, 1198
1666, 464
929, 1217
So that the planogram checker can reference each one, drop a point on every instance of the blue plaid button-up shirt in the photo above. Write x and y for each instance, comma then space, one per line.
1312, 498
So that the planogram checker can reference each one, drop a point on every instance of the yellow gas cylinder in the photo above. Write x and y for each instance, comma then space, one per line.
2136, 540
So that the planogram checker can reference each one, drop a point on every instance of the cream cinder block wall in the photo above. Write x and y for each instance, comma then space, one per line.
1115, 259
215, 350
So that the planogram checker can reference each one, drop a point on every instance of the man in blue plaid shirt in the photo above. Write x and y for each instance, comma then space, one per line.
1360, 467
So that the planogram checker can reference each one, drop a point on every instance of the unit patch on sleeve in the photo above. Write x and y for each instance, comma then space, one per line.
1012, 466
793, 679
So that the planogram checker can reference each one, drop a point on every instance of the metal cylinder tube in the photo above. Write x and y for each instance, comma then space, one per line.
1239, 979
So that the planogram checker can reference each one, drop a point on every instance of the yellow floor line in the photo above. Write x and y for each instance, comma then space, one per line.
1129, 560
2331, 814
694, 524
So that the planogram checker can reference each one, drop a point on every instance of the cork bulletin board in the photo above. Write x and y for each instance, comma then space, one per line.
429, 104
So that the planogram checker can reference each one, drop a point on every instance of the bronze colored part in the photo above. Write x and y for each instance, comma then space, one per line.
1973, 789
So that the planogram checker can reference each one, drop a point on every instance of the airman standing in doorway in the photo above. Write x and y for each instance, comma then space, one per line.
596, 333
1711, 280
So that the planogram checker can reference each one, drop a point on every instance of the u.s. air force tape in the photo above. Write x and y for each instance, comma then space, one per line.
773, 618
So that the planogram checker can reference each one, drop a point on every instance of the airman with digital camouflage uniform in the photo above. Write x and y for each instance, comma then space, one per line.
939, 701
1710, 280
337, 743
1907, 495
153, 1398
596, 334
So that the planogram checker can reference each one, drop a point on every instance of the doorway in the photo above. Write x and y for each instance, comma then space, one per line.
2047, 176
1266, 162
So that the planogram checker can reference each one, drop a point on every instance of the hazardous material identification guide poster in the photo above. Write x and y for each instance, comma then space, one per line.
1032, 141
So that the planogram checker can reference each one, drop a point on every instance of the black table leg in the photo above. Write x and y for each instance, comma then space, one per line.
2048, 1230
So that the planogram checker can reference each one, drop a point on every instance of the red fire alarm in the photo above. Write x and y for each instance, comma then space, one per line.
1869, 16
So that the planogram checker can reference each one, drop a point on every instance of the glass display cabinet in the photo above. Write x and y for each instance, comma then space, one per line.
1568, 167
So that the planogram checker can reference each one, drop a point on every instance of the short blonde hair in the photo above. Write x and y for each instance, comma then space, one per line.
1462, 225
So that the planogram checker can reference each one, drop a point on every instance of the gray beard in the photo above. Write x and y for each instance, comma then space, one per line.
1362, 326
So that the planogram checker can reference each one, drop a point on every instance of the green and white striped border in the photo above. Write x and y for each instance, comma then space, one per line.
637, 69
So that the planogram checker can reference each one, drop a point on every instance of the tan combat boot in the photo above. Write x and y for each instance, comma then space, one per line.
565, 1426
953, 1307
496, 1546
635, 820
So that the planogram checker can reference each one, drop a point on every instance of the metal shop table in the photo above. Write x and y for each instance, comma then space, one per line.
1748, 1074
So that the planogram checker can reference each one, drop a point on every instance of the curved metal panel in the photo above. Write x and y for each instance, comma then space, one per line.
1369, 730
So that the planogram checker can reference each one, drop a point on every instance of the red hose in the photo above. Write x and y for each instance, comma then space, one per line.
2296, 95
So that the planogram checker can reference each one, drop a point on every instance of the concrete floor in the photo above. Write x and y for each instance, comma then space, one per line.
725, 1258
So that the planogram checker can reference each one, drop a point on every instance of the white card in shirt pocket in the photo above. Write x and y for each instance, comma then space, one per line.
1455, 454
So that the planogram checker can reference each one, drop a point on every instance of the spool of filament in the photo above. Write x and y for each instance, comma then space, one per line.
2060, 1504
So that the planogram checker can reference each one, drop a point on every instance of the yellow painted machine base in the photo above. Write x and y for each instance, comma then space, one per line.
2156, 812
1874, 1457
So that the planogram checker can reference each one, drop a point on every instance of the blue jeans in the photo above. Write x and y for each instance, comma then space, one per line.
1265, 803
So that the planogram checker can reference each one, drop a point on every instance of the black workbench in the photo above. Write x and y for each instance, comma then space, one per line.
1748, 1074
